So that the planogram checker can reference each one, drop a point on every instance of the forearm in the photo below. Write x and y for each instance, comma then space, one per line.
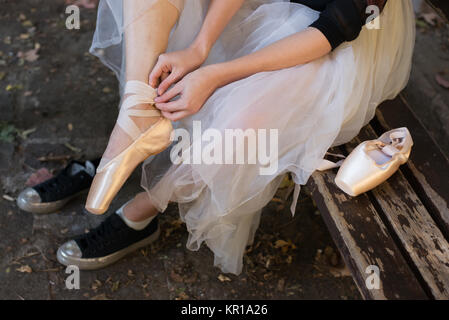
299, 48
218, 16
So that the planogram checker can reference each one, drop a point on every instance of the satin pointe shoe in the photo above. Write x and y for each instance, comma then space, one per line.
374, 161
110, 177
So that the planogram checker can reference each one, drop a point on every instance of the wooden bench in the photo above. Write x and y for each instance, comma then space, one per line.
402, 226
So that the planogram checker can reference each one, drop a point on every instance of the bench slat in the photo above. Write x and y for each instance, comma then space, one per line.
427, 163
415, 228
363, 240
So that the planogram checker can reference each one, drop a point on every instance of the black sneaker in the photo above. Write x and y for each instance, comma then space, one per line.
106, 244
53, 194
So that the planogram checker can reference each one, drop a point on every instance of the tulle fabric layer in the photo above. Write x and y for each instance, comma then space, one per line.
313, 106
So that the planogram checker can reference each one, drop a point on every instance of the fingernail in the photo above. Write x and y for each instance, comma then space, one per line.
157, 99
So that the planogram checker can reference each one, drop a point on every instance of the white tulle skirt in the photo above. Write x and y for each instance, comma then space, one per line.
313, 106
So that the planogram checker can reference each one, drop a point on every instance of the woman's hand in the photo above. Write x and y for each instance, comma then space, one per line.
193, 91
172, 66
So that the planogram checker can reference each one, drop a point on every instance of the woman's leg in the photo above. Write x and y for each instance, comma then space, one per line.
145, 39
140, 208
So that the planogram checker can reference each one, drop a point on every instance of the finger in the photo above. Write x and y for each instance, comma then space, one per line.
172, 106
170, 94
164, 75
175, 116
154, 75
158, 70
166, 83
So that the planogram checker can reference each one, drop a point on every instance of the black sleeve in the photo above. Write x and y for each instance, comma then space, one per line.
342, 20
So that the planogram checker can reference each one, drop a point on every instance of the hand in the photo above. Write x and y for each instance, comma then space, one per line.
193, 91
172, 66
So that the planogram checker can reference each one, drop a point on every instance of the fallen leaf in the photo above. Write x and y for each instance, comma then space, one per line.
175, 277
27, 23
182, 296
11, 87
115, 286
25, 269
25, 133
421, 24
442, 81
96, 285
8, 198
74, 149
280, 285
286, 182
223, 278
31, 55
280, 243
431, 18
38, 177
7, 132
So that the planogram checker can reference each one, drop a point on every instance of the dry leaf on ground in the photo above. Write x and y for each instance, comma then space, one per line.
39, 176
25, 269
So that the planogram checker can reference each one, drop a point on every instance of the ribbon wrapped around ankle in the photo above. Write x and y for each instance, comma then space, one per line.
141, 93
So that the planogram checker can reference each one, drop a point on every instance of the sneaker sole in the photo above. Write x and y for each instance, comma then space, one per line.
98, 263
46, 207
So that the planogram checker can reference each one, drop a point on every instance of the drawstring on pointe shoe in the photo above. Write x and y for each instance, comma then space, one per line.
397, 142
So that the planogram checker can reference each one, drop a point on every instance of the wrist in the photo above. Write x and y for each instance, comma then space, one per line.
215, 75
201, 49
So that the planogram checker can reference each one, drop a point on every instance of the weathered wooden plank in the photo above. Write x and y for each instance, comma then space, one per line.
415, 228
363, 240
427, 163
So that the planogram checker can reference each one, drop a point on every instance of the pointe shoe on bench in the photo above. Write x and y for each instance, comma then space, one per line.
110, 178
374, 161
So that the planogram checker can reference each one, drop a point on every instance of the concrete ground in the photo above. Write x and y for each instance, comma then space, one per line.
62, 104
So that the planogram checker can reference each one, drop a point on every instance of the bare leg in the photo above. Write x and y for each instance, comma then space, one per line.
146, 38
140, 208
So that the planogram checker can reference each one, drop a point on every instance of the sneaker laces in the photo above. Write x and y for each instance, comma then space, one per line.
108, 231
58, 184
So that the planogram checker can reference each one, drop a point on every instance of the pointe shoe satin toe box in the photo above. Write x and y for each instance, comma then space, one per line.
110, 178
374, 161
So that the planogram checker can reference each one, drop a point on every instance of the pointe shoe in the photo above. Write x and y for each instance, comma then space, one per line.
374, 161
110, 178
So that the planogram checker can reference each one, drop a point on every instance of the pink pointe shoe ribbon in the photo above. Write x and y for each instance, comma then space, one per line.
141, 93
